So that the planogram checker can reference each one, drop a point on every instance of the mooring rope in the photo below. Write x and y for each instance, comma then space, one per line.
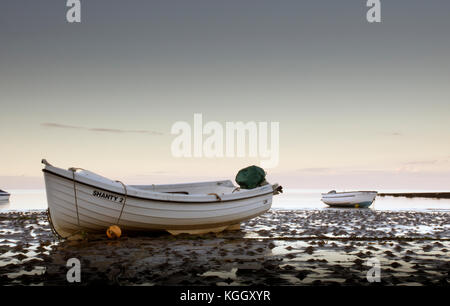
216, 195
236, 189
52, 226
49, 216
75, 193
124, 201
277, 189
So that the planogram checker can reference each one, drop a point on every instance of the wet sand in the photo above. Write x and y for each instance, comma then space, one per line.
326, 247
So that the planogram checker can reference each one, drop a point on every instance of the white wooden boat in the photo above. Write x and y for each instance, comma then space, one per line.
82, 200
349, 199
4, 196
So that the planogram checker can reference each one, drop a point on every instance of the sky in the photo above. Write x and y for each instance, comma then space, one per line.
359, 105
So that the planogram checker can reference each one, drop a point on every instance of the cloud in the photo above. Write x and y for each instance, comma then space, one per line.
439, 165
392, 133
422, 162
315, 169
57, 125
102, 130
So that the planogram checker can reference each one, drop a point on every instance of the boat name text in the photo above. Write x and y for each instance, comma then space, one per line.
107, 196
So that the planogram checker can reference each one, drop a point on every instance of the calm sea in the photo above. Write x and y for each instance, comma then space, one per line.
291, 199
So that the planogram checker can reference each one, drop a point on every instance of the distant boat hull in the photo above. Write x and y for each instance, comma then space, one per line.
82, 201
4, 197
349, 199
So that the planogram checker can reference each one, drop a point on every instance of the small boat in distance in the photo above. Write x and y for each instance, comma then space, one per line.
349, 199
80, 200
4, 196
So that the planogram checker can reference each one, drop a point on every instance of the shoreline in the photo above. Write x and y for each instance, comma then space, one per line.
430, 195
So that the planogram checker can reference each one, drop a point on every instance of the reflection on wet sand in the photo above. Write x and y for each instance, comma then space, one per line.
279, 248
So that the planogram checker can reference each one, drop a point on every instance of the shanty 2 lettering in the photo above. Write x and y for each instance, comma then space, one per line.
235, 295
107, 196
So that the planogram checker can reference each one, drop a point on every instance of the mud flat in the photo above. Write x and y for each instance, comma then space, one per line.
314, 247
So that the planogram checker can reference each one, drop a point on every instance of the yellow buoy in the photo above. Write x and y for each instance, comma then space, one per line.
356, 205
113, 232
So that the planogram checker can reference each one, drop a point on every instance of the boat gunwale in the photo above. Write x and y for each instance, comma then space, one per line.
152, 199
132, 213
348, 193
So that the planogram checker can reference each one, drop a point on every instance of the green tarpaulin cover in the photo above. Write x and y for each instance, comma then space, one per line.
251, 177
